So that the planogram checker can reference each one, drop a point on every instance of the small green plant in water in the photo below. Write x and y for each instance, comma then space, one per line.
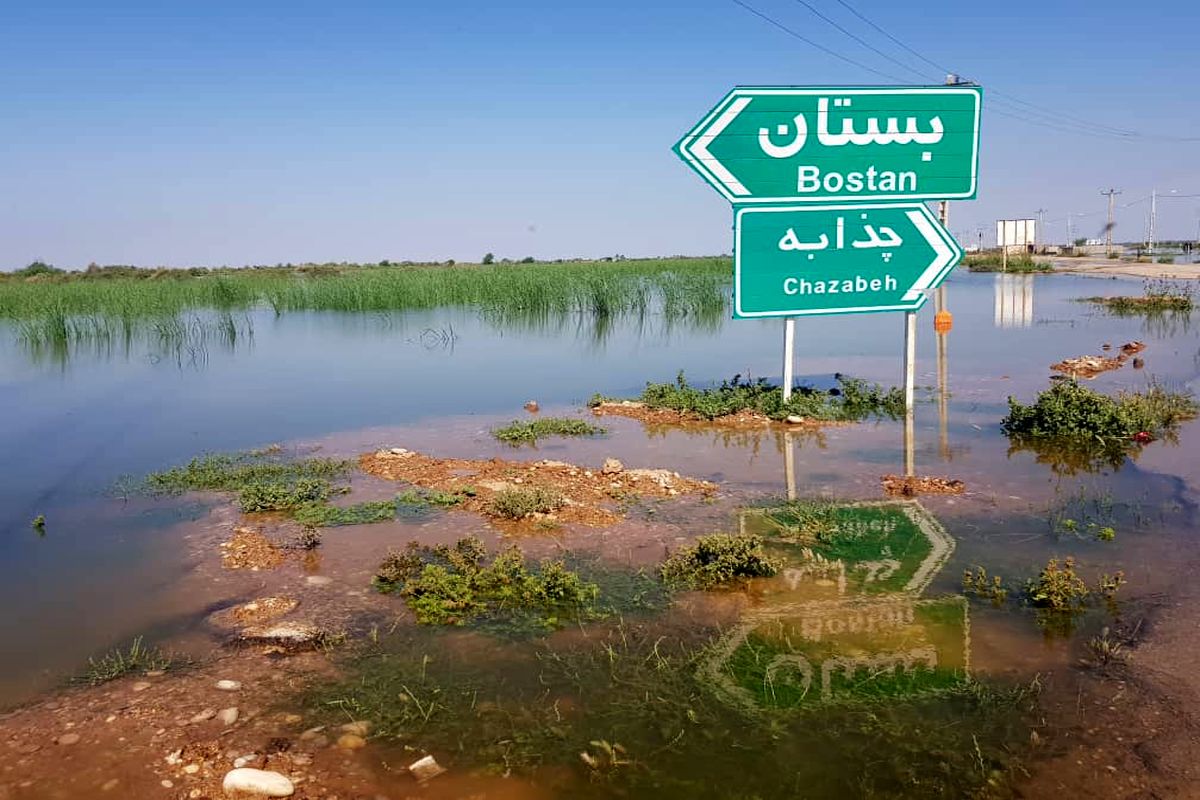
39, 523
719, 559
528, 432
323, 515
456, 585
1058, 587
120, 662
232, 472
1105, 649
521, 503
979, 584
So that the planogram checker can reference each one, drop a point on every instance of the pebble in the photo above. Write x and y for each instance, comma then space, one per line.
257, 781
360, 727
612, 467
68, 738
166, 784
141, 686
425, 769
228, 716
192, 769
111, 718
242, 761
229, 686
318, 580
205, 715
794, 419
311, 733
349, 741
109, 785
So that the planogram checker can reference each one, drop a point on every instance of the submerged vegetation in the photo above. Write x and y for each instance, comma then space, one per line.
528, 432
519, 503
237, 472
447, 585
1079, 428
719, 559
852, 399
633, 699
120, 662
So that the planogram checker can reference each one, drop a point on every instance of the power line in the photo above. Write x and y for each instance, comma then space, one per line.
862, 41
811, 43
1056, 113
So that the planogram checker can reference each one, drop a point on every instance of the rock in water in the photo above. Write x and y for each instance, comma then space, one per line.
532, 406
228, 716
612, 467
794, 419
425, 769
257, 781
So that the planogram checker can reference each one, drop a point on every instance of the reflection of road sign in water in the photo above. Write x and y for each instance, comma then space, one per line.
797, 260
808, 653
787, 144
845, 620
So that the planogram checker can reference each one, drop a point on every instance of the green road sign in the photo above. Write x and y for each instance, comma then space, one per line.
792, 144
803, 260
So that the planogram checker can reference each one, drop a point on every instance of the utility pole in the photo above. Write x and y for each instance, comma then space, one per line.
1070, 241
1037, 233
1153, 216
1111, 194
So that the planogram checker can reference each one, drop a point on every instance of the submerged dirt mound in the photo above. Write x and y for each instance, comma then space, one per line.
741, 420
567, 493
1091, 366
913, 485
250, 549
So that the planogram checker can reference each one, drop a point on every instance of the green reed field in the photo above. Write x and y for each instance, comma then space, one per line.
81, 306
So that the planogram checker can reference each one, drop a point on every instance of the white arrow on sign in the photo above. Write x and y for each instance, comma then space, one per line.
943, 261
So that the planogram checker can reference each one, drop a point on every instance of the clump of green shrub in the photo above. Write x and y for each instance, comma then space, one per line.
455, 585
1158, 295
528, 432
1069, 416
256, 497
851, 399
719, 559
996, 262
521, 503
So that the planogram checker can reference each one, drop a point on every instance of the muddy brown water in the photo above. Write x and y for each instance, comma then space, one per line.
113, 565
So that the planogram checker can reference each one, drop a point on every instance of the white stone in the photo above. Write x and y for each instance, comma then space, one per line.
228, 716
794, 419
228, 685
318, 580
242, 761
425, 769
258, 781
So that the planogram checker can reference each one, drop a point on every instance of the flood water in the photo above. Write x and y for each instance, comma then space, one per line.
80, 427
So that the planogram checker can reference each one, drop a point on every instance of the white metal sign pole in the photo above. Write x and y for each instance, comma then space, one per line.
789, 342
910, 373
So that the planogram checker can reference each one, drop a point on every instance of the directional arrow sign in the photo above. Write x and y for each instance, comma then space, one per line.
804, 260
790, 144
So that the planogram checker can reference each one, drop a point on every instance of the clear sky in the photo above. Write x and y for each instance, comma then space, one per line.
260, 132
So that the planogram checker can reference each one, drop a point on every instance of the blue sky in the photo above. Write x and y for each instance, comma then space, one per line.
261, 132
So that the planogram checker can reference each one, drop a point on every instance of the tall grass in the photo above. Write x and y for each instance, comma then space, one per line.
75, 308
